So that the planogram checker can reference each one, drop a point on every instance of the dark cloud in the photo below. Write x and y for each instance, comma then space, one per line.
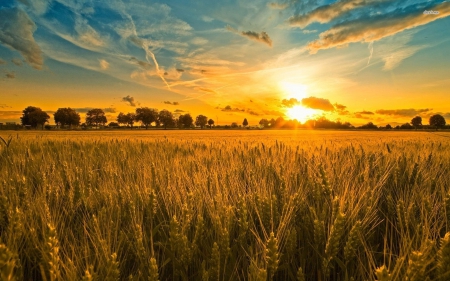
360, 116
326, 13
10, 75
172, 103
364, 112
17, 61
228, 108
274, 113
262, 37
2, 62
179, 111
341, 109
318, 103
290, 102
16, 32
130, 100
180, 70
143, 64
254, 113
410, 112
2, 105
86, 109
375, 28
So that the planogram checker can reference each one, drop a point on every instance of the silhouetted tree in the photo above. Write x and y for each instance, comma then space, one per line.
165, 117
264, 123
416, 122
66, 116
210, 123
146, 116
201, 121
369, 125
127, 119
234, 125
186, 120
96, 116
34, 116
388, 126
437, 121
245, 122
113, 124
279, 122
406, 126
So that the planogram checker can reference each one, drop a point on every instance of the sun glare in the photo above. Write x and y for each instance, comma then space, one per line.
300, 113
293, 90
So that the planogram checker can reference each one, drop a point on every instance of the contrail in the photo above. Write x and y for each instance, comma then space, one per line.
370, 47
144, 45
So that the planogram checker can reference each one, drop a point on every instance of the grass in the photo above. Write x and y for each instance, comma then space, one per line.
255, 205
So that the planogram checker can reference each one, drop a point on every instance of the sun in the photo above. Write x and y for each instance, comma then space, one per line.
301, 113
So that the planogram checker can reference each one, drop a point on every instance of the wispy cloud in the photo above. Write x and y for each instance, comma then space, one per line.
17, 33
377, 27
228, 108
86, 109
17, 61
277, 6
10, 75
2, 62
104, 65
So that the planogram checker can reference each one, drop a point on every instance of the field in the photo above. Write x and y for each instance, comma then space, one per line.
225, 205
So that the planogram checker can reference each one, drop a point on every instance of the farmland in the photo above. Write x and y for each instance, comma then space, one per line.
224, 205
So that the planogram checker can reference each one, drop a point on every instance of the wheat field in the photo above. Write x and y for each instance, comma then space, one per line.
224, 205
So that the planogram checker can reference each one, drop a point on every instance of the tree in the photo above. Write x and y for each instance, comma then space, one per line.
201, 121
234, 125
166, 118
66, 116
146, 116
437, 121
416, 122
245, 123
34, 116
210, 123
388, 126
127, 119
185, 120
264, 123
113, 124
96, 116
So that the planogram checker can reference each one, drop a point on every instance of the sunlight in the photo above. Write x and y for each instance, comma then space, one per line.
293, 90
300, 113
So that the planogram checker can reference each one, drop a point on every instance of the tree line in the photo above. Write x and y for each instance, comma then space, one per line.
68, 117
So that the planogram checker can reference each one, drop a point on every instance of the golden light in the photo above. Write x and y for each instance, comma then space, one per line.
302, 114
293, 90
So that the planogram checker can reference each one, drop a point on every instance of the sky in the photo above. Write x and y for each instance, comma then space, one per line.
356, 61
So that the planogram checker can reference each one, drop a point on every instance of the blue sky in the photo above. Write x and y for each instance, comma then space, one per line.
353, 60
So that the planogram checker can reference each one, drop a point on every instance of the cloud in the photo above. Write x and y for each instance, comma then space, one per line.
290, 102
180, 70
254, 113
10, 75
341, 109
395, 58
143, 64
207, 19
38, 7
403, 112
228, 108
130, 100
317, 103
326, 13
16, 32
199, 41
10, 115
307, 31
172, 103
376, 28
2, 62
104, 64
262, 37
277, 6
179, 111
364, 112
2, 105
86, 109
87, 34
17, 61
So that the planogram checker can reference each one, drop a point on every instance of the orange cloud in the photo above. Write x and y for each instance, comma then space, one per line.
369, 30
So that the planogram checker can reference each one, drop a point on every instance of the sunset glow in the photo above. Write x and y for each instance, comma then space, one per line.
301, 113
